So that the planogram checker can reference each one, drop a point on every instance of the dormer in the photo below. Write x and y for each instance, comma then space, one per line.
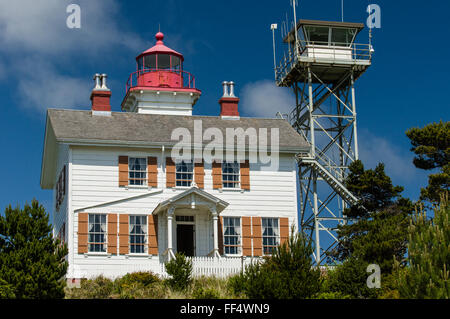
160, 85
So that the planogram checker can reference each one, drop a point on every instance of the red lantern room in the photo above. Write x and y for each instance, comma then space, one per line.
159, 69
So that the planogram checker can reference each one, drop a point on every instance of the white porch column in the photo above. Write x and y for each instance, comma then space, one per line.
169, 232
215, 217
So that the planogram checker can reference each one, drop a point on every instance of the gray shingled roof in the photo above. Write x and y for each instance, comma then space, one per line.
123, 127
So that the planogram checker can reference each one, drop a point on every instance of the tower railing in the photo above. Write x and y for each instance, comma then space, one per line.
187, 80
320, 50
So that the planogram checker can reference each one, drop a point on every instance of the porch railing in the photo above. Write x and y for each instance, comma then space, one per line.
218, 267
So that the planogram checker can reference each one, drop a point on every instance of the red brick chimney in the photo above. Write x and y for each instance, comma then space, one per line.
101, 95
229, 102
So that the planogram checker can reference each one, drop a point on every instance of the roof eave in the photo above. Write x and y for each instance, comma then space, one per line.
48, 161
147, 144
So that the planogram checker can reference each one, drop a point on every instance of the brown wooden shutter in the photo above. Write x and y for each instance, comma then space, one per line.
257, 236
217, 174
199, 174
123, 234
220, 234
152, 171
245, 175
246, 236
123, 170
112, 234
284, 230
153, 235
83, 233
170, 172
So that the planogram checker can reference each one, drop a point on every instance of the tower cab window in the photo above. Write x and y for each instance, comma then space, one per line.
319, 35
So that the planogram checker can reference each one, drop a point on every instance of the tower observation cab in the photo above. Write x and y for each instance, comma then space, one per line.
160, 85
321, 62
321, 44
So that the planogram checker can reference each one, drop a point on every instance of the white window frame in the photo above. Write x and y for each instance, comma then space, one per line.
275, 235
238, 246
94, 233
178, 165
143, 180
145, 235
236, 182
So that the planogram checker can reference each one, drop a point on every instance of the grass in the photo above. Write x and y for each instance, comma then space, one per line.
145, 285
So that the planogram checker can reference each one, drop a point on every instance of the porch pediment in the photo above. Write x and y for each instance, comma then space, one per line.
192, 198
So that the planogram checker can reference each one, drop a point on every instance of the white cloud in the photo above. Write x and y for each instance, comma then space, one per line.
35, 42
398, 162
46, 87
265, 99
40, 27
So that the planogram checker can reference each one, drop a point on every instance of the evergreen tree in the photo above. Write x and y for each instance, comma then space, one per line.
428, 256
378, 230
431, 144
32, 263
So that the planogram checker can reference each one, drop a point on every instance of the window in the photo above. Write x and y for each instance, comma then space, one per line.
60, 188
184, 173
137, 170
270, 234
184, 218
232, 235
163, 61
230, 175
150, 61
138, 234
342, 37
318, 35
175, 63
97, 233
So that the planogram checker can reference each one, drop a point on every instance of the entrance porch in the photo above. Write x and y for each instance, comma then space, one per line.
190, 224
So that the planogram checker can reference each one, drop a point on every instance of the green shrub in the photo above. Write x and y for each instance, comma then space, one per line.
287, 274
6, 290
205, 293
180, 270
236, 284
331, 295
141, 277
97, 288
349, 279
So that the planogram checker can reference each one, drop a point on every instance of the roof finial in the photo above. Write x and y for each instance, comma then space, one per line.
159, 37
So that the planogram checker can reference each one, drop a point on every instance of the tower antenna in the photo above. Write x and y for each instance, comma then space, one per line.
294, 3
342, 10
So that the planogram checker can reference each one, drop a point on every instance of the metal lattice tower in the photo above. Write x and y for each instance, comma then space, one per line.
321, 64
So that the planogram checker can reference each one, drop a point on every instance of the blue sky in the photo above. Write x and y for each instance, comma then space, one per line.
44, 64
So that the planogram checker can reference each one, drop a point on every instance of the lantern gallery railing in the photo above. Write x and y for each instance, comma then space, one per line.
173, 78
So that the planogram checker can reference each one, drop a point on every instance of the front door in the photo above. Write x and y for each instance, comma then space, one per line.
185, 239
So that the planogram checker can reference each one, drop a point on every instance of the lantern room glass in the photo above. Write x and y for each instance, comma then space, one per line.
160, 62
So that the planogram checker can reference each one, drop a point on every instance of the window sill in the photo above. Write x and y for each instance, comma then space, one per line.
231, 190
139, 255
181, 188
97, 254
138, 187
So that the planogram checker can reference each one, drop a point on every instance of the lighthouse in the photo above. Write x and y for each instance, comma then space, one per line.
160, 85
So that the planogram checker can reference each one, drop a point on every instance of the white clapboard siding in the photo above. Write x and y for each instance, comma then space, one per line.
94, 189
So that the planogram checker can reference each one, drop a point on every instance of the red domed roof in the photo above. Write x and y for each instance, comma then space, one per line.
159, 47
